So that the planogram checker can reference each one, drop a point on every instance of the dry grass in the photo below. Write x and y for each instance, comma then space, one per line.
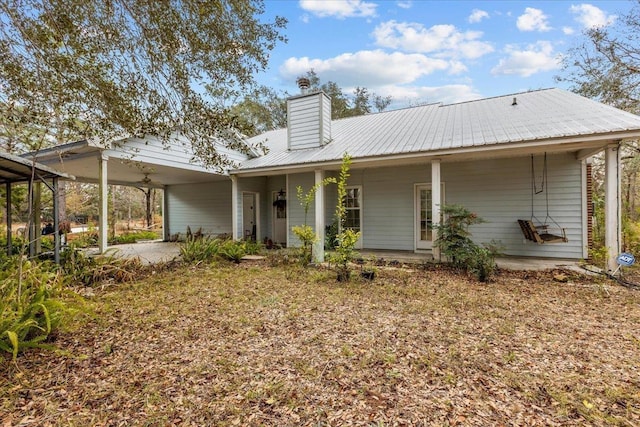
255, 345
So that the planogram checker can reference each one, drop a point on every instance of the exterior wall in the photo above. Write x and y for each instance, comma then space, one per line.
176, 153
204, 205
500, 192
388, 204
309, 121
497, 190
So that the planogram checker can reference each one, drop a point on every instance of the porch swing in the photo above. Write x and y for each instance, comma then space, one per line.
528, 227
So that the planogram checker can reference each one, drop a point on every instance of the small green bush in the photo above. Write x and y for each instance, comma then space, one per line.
252, 248
133, 237
203, 249
30, 310
233, 250
307, 237
454, 240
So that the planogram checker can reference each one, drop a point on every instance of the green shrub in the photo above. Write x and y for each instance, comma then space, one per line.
454, 240
252, 248
307, 237
30, 310
233, 250
133, 237
195, 250
346, 239
330, 233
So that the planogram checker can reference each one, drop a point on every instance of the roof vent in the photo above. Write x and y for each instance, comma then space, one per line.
515, 101
303, 84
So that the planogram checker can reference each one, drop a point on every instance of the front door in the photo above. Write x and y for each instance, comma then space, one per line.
424, 216
280, 217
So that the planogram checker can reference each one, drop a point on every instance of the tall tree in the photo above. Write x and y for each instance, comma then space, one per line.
262, 110
134, 67
342, 105
606, 65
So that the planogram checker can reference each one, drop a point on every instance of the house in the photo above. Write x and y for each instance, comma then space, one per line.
524, 156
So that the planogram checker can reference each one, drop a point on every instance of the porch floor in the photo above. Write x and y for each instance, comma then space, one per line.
507, 262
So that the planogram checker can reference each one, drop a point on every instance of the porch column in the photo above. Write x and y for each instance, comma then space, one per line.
103, 202
56, 222
436, 198
166, 231
37, 217
318, 246
31, 228
9, 221
234, 207
288, 210
612, 204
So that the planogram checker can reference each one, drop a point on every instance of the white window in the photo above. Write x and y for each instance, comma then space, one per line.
353, 205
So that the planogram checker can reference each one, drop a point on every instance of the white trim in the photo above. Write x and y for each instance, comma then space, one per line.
318, 246
612, 204
416, 205
436, 204
103, 161
234, 207
286, 186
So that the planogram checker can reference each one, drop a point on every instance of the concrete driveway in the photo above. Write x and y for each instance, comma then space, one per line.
151, 252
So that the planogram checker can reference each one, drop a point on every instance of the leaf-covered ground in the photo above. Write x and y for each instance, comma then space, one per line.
255, 345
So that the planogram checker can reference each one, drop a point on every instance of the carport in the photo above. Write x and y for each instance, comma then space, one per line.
15, 169
138, 162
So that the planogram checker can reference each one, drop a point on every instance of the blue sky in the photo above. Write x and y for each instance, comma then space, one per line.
431, 51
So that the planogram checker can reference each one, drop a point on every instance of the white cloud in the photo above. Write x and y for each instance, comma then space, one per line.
444, 40
340, 9
403, 96
534, 59
477, 15
369, 68
406, 4
533, 20
590, 16
568, 30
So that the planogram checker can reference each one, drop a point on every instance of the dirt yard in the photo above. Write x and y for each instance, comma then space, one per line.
257, 345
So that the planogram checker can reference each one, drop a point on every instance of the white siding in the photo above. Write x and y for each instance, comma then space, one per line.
205, 205
309, 121
497, 190
387, 198
500, 192
176, 152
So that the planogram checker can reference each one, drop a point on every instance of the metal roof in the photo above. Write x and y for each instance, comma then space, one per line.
548, 115
18, 169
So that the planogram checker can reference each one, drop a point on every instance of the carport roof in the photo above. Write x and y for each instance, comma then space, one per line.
18, 169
